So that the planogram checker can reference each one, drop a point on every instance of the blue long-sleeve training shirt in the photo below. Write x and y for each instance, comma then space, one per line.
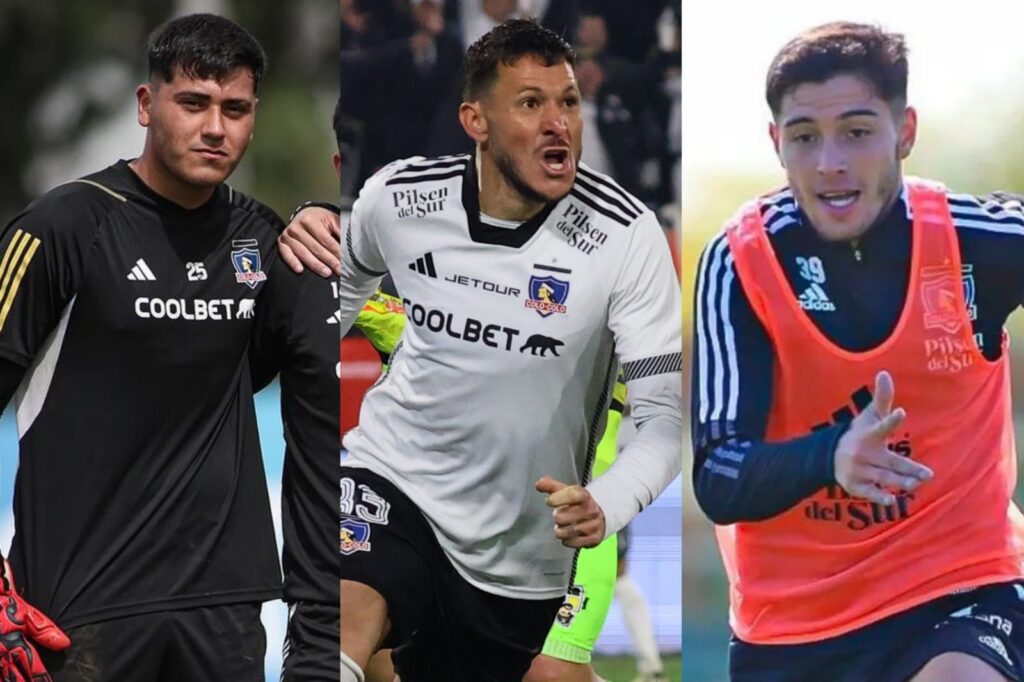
854, 293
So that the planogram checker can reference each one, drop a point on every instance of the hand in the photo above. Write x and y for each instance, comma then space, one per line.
21, 625
313, 239
579, 520
863, 463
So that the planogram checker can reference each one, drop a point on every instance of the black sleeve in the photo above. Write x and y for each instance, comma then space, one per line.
737, 476
327, 206
273, 324
43, 253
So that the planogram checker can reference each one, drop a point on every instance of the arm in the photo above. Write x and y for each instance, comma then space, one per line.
382, 321
644, 318
272, 326
311, 238
737, 476
362, 260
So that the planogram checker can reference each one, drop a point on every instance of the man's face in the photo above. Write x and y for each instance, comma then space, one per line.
534, 127
198, 130
841, 146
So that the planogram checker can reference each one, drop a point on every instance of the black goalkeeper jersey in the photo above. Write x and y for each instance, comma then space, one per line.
298, 335
140, 485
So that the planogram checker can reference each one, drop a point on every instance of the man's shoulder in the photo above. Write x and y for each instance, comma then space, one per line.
257, 209
410, 181
995, 213
417, 170
76, 207
607, 198
778, 211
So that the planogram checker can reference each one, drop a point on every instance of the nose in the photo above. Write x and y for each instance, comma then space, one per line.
831, 158
555, 121
213, 124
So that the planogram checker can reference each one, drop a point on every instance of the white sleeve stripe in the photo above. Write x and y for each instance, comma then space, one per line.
730, 342
714, 314
715, 336
779, 223
994, 211
701, 350
1001, 228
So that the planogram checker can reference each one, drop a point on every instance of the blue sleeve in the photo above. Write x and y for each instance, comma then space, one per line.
737, 476
743, 480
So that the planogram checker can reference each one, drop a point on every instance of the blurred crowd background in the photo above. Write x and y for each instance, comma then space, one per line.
401, 82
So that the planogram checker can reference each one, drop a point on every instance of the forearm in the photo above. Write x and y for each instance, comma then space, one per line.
744, 480
651, 460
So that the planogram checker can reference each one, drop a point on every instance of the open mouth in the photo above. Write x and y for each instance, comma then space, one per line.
839, 199
555, 160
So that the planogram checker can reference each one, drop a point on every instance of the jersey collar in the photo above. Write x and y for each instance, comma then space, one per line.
486, 234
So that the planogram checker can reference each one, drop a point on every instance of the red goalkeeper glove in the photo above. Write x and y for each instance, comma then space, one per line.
21, 627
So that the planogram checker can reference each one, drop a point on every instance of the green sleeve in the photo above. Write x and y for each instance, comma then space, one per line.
607, 447
382, 320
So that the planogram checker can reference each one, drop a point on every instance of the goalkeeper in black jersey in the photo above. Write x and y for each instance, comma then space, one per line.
142, 522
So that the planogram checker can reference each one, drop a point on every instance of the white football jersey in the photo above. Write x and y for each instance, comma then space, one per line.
506, 366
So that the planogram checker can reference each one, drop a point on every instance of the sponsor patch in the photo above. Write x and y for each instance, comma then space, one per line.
575, 601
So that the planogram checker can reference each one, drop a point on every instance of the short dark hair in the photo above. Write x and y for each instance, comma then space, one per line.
506, 44
841, 47
204, 46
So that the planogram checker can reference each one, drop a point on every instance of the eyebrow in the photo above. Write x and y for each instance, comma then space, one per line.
194, 94
852, 113
570, 87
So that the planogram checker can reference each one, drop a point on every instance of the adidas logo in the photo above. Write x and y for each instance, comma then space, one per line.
814, 298
335, 318
424, 265
141, 272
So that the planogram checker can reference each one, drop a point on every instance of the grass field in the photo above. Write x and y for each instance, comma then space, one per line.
623, 668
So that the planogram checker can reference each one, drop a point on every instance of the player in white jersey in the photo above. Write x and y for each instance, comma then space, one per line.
526, 279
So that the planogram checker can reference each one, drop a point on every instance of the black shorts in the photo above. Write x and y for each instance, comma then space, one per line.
224, 643
310, 651
987, 623
442, 628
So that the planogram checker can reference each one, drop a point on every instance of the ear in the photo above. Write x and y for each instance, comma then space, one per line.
773, 132
337, 164
473, 121
144, 101
908, 133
